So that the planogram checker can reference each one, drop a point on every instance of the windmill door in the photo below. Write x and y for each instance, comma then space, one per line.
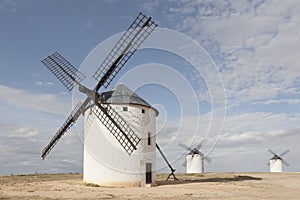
148, 173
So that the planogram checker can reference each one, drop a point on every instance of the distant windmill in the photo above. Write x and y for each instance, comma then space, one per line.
195, 158
276, 161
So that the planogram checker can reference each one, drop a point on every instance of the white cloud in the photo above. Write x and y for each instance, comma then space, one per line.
21, 148
278, 101
41, 102
8, 5
239, 127
256, 42
150, 5
13, 131
259, 122
23, 133
245, 135
41, 83
89, 24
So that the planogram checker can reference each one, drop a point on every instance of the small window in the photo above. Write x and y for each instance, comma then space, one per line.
149, 139
143, 110
125, 109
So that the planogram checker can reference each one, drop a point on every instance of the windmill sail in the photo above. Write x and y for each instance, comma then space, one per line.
201, 144
117, 126
63, 70
283, 153
138, 31
64, 128
272, 152
185, 146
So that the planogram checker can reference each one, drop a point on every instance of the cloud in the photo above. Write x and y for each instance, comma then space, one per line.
257, 124
23, 133
255, 44
28, 123
41, 102
89, 24
239, 127
21, 148
244, 134
150, 6
41, 83
13, 131
278, 101
8, 5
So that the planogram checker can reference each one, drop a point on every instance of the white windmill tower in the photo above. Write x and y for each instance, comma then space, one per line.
276, 161
195, 158
119, 145
105, 168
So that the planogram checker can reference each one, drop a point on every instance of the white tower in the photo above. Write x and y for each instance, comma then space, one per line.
276, 162
194, 163
275, 165
105, 160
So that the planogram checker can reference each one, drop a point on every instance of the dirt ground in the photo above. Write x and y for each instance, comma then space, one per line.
208, 186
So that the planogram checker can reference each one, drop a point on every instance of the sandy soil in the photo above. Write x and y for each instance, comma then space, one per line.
209, 186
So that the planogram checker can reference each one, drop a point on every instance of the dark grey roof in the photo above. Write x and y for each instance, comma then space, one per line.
122, 95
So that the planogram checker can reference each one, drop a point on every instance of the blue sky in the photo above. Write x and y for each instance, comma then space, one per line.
254, 44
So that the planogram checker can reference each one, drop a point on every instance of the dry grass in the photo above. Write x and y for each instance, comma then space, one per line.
29, 178
233, 186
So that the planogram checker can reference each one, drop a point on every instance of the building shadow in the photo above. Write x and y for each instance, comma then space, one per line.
205, 180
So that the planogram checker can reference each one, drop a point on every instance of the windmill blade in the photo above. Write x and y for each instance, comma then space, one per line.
283, 153
117, 126
207, 159
284, 162
184, 163
63, 70
65, 127
185, 146
130, 41
201, 144
89, 119
272, 152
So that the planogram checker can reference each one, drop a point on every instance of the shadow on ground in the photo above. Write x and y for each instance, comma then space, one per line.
204, 179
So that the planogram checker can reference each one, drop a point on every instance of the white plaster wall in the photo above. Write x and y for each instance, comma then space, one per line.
105, 160
194, 164
275, 165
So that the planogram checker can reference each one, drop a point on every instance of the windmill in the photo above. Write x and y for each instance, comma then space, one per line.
107, 115
195, 158
276, 161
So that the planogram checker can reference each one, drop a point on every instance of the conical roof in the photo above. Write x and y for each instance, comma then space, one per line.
123, 95
276, 157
